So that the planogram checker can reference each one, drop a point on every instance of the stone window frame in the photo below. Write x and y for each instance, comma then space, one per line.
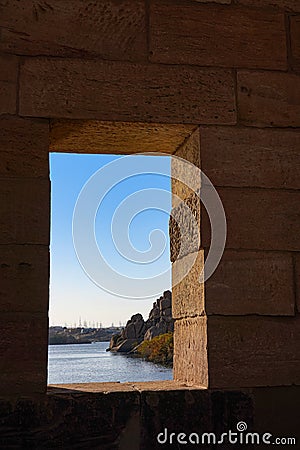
108, 137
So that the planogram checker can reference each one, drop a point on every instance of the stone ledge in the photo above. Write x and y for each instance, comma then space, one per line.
130, 420
108, 387
91, 136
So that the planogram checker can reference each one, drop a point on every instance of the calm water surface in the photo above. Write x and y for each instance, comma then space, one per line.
88, 363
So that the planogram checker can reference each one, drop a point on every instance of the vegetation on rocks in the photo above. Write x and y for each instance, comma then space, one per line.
160, 321
158, 350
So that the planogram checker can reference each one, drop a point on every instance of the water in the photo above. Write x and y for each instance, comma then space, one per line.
88, 363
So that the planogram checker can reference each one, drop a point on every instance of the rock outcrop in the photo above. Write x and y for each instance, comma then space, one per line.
137, 330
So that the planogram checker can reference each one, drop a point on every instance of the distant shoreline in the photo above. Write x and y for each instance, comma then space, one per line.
65, 336
75, 343
70, 343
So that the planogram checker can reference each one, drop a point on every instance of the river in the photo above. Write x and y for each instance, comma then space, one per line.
88, 363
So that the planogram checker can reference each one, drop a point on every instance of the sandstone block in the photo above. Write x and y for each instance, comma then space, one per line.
297, 276
224, 2
232, 156
215, 35
295, 40
251, 283
124, 91
88, 136
269, 99
185, 178
190, 353
258, 219
288, 5
188, 410
63, 416
253, 351
24, 211
24, 278
23, 350
184, 227
75, 28
24, 146
26, 382
188, 293
8, 84
270, 402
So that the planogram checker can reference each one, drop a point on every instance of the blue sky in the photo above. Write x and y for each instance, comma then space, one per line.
72, 293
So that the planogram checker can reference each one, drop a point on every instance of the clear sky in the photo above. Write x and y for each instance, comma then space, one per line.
72, 293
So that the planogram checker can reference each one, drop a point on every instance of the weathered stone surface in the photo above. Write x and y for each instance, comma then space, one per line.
295, 40
8, 84
123, 91
160, 319
167, 313
184, 227
165, 303
23, 349
130, 331
156, 330
229, 407
250, 157
24, 278
161, 411
288, 5
132, 419
251, 283
111, 30
151, 333
190, 352
277, 409
69, 420
115, 386
155, 312
125, 346
258, 219
137, 330
185, 178
24, 211
26, 379
188, 293
24, 147
253, 351
222, 36
135, 327
93, 136
269, 99
224, 2
297, 279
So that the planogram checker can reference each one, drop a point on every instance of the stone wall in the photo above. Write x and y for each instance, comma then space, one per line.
226, 70
108, 416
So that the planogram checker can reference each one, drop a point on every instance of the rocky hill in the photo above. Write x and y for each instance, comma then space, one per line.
137, 330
